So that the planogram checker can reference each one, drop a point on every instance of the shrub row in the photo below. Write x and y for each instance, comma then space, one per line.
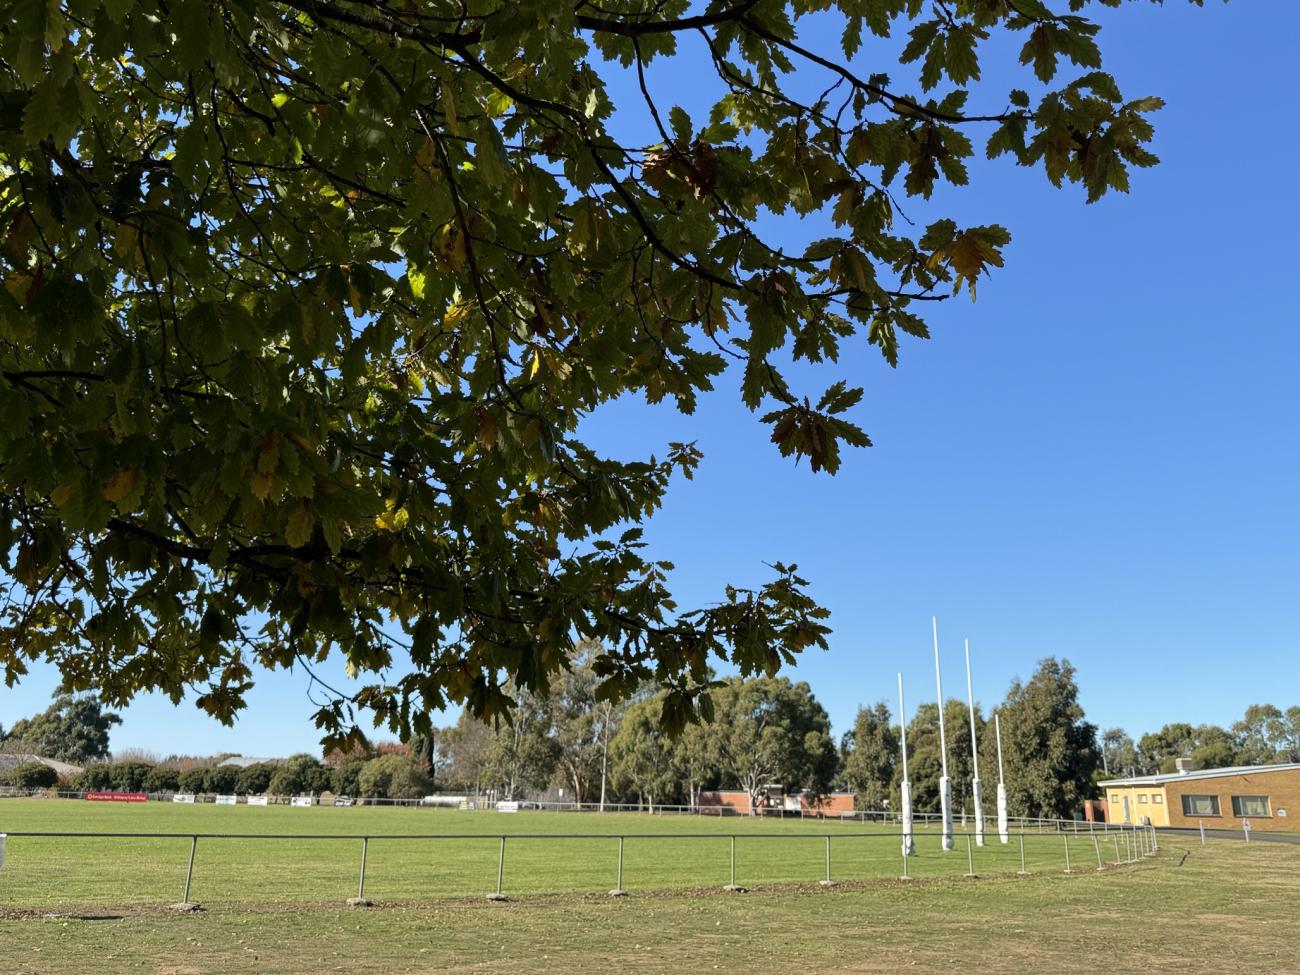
33, 775
385, 777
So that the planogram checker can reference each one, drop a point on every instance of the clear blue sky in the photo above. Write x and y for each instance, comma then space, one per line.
1099, 460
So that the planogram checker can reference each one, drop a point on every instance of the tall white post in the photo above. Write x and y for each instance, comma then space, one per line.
945, 786
976, 795
905, 791
1002, 787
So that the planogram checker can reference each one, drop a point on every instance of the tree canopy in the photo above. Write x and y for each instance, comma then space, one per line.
72, 729
926, 761
869, 754
305, 301
1265, 735
1050, 752
768, 731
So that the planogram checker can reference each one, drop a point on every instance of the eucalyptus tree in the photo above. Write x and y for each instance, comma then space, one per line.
1051, 751
584, 722
646, 759
72, 729
768, 731
305, 301
869, 756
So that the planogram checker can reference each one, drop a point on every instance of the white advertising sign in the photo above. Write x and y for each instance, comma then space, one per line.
227, 800
2, 849
257, 801
187, 797
343, 801
507, 805
300, 801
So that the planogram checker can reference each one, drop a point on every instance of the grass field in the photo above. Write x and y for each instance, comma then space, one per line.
59, 873
1229, 906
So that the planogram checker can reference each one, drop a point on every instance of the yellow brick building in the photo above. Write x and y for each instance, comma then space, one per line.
1266, 795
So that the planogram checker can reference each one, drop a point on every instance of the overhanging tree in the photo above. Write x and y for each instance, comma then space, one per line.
304, 301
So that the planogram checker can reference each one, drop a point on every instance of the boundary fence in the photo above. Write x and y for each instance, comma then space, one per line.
487, 803
1117, 846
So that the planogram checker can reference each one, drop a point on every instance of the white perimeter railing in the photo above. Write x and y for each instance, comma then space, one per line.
1129, 844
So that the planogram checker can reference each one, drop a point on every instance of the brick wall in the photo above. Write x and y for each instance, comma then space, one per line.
736, 802
1282, 789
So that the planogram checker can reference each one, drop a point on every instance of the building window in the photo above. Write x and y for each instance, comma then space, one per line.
1142, 797
1157, 798
1200, 805
1250, 805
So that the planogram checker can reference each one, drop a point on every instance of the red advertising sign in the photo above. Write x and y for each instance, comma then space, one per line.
117, 796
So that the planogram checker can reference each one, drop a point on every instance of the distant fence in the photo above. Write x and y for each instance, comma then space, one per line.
1066, 849
488, 803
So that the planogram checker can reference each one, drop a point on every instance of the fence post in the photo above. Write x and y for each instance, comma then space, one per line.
828, 882
905, 876
1116, 839
1202, 832
733, 887
1066, 837
1023, 871
1097, 846
970, 859
360, 899
186, 904
618, 890
501, 866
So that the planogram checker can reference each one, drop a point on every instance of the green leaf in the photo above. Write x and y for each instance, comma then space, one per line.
300, 525
680, 123
959, 48
921, 39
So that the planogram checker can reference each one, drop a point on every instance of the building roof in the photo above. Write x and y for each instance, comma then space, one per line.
243, 761
12, 760
1206, 773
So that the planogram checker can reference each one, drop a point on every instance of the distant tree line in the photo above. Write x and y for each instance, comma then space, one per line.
773, 731
1265, 735
763, 731
395, 774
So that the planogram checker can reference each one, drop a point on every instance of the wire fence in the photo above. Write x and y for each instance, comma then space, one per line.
489, 804
58, 869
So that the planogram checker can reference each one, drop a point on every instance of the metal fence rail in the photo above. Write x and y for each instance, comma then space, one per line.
486, 804
1122, 845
